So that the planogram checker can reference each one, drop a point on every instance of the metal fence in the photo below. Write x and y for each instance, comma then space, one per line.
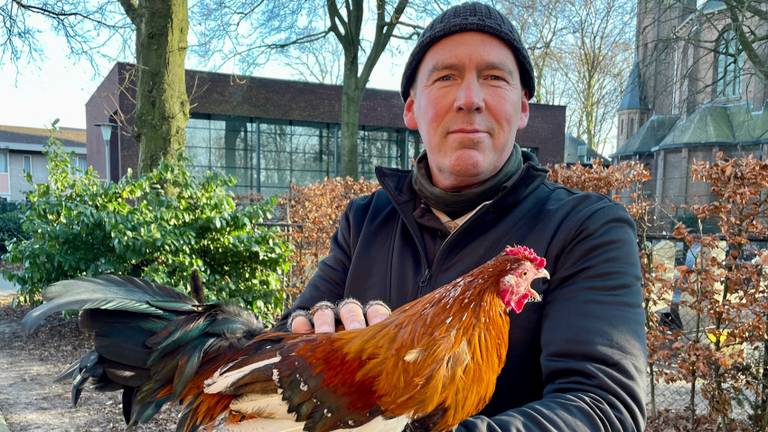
675, 315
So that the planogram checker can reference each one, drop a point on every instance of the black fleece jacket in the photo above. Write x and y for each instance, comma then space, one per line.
576, 360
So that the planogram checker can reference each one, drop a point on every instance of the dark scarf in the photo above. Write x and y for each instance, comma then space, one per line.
457, 204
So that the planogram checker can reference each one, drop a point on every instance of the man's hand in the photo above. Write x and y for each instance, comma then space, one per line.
351, 313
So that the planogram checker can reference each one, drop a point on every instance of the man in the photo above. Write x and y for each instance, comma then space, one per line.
576, 361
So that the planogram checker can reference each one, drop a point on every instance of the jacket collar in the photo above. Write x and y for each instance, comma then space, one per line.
397, 184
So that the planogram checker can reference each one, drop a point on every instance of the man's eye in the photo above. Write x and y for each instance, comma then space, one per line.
444, 78
496, 78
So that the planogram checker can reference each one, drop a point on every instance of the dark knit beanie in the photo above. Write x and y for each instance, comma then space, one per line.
469, 17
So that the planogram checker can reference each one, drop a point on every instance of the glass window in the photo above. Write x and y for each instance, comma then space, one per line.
198, 155
201, 123
380, 147
4, 161
415, 146
730, 63
266, 156
275, 159
293, 154
27, 165
198, 146
78, 163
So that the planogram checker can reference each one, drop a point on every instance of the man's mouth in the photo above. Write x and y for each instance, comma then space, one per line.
468, 131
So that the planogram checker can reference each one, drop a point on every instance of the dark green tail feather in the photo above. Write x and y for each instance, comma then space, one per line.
147, 336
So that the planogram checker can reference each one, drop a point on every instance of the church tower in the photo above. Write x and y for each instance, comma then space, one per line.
633, 110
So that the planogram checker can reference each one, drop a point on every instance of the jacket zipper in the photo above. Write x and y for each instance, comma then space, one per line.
480, 210
424, 281
426, 278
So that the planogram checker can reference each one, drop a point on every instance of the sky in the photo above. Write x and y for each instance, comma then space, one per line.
58, 87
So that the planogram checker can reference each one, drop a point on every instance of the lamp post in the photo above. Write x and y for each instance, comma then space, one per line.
106, 135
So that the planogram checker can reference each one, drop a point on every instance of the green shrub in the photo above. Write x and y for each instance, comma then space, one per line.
159, 226
10, 224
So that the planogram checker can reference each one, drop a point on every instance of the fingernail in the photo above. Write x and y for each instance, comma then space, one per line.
355, 325
324, 329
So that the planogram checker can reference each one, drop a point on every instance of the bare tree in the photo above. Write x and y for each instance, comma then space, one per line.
250, 33
315, 62
85, 29
543, 25
599, 53
160, 43
581, 52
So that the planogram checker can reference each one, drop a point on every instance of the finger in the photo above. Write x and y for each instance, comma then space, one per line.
376, 313
324, 321
301, 325
351, 314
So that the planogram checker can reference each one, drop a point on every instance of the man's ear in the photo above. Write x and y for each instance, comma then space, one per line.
524, 111
409, 117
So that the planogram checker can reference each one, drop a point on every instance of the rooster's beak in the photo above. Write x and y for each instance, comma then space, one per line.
543, 273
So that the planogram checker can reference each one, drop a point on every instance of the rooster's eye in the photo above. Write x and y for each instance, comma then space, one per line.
525, 273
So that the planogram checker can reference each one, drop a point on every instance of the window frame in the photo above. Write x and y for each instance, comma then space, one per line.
7, 158
24, 159
729, 65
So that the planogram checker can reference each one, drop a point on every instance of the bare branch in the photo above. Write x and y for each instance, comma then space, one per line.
409, 37
307, 39
761, 14
57, 14
335, 16
131, 8
244, 15
384, 30
84, 30
416, 27
313, 37
746, 43
315, 62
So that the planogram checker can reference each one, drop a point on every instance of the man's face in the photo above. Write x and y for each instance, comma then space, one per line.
467, 103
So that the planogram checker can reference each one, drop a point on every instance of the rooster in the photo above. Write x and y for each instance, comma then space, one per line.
431, 364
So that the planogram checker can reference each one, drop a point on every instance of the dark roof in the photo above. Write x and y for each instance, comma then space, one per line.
577, 150
650, 134
719, 125
632, 97
27, 135
712, 6
216, 93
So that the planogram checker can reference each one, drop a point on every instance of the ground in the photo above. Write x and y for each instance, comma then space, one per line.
31, 401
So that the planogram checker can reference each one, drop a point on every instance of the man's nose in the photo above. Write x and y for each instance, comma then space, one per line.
470, 96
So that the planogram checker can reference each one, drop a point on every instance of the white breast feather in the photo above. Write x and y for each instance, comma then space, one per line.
265, 425
378, 424
266, 405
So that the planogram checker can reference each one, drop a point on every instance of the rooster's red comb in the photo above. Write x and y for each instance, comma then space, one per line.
526, 253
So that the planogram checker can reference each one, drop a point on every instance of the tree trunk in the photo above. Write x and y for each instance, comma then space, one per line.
351, 96
162, 106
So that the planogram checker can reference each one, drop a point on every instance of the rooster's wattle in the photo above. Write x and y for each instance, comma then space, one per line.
431, 364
